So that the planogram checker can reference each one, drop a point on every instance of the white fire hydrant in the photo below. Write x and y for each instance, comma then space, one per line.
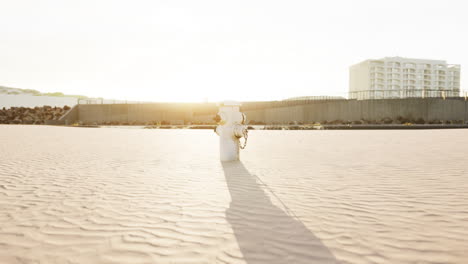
231, 128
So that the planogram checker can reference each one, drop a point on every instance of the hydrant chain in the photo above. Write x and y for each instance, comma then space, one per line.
246, 135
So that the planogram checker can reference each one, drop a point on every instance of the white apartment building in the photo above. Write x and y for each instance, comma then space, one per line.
397, 77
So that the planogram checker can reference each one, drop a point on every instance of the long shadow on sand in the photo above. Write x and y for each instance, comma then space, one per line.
264, 232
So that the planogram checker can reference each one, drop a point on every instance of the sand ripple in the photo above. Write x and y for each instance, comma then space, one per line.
71, 195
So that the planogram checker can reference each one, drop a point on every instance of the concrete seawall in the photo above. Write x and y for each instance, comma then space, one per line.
177, 113
280, 112
427, 109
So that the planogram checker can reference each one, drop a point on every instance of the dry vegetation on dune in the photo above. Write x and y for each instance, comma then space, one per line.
26, 115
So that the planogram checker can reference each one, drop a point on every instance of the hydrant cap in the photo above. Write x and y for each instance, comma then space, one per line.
230, 103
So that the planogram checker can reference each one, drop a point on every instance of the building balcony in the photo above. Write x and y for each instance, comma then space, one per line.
409, 87
453, 66
377, 64
377, 87
393, 64
409, 76
409, 71
378, 69
393, 76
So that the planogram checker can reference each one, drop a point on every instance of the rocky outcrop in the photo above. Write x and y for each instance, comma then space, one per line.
36, 115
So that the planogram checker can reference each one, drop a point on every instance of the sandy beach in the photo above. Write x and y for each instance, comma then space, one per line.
110, 195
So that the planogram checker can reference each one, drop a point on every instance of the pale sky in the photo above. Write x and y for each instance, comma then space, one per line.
197, 50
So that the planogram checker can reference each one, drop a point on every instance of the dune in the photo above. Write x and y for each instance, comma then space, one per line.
110, 195
28, 100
